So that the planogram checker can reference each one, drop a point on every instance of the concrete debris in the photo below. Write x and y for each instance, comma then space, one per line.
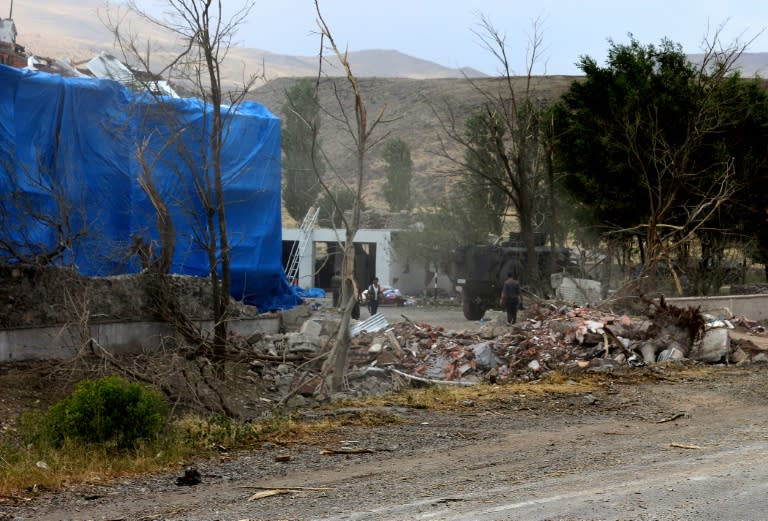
566, 339
576, 291
714, 346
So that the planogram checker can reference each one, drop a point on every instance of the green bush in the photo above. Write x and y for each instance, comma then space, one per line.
109, 410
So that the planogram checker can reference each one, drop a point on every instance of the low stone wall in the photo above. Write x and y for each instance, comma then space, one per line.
754, 307
64, 342
30, 298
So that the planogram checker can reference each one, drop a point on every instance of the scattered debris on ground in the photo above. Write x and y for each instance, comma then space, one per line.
552, 338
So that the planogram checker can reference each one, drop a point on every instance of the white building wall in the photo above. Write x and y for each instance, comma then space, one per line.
381, 238
307, 267
390, 270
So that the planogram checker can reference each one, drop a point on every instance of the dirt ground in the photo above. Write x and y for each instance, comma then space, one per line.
670, 441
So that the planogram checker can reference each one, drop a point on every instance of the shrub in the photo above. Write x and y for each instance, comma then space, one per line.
111, 409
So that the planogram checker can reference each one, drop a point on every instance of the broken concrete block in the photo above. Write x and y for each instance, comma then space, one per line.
711, 314
312, 329
648, 350
299, 343
670, 353
602, 364
386, 358
292, 318
714, 346
739, 356
484, 356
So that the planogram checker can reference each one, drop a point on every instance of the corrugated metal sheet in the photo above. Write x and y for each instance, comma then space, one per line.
374, 323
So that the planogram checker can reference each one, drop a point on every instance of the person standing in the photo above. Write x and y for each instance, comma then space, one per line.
511, 297
373, 294
356, 293
336, 288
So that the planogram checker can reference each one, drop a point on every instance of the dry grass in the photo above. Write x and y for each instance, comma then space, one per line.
25, 468
38, 469
448, 398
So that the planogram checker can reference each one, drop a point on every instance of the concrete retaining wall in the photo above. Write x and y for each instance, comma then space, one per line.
754, 307
62, 342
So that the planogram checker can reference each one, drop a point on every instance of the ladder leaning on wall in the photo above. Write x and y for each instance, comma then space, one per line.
297, 250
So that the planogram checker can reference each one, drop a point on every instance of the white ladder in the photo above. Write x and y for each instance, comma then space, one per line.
297, 250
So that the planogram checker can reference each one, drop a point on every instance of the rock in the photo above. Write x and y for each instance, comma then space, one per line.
602, 365
294, 317
739, 356
191, 477
648, 350
299, 343
714, 346
484, 356
671, 353
311, 329
307, 390
386, 358
297, 401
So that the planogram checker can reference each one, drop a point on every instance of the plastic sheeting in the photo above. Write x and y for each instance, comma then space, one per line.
71, 154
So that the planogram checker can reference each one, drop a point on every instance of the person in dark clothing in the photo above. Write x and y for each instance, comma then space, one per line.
373, 294
511, 297
356, 293
336, 288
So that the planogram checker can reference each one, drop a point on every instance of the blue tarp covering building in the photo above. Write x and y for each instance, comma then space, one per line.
72, 151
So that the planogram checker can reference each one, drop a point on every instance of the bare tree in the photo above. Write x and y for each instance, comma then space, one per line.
206, 36
354, 120
516, 136
39, 219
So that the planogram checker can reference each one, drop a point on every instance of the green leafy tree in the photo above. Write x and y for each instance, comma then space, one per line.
652, 149
302, 164
399, 169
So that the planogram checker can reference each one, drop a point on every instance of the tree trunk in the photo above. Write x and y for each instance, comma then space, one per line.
341, 351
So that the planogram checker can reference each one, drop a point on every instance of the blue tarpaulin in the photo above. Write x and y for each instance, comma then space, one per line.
72, 151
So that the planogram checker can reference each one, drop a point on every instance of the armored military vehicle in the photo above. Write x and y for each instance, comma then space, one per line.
481, 270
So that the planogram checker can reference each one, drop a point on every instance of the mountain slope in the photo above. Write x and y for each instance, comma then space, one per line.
77, 31
416, 111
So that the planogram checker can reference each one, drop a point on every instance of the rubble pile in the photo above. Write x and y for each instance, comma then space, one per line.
551, 338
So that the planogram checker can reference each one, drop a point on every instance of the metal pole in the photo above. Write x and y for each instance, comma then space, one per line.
10, 15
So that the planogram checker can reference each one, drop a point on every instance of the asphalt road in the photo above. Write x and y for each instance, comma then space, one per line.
727, 484
449, 317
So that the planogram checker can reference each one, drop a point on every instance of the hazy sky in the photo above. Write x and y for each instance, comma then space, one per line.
441, 30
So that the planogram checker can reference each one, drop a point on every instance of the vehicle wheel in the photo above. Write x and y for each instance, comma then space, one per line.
472, 310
